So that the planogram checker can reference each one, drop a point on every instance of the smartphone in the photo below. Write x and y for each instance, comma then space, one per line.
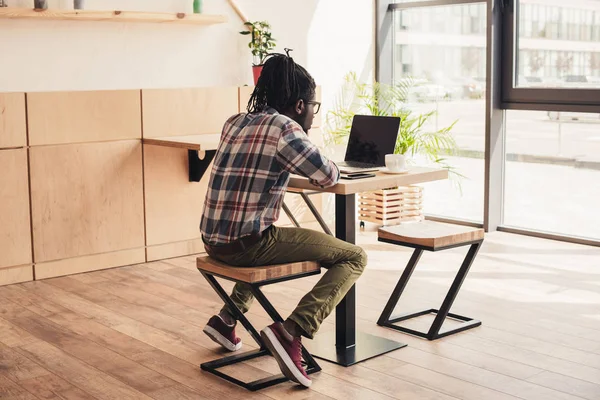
357, 176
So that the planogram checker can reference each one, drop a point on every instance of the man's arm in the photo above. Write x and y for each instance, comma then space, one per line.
298, 155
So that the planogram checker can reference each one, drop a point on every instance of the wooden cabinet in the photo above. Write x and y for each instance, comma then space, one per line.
173, 204
15, 231
13, 126
193, 111
79, 117
87, 199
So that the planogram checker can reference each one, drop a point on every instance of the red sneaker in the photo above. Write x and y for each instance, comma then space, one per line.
287, 350
221, 333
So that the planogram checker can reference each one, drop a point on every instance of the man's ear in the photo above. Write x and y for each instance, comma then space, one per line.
300, 107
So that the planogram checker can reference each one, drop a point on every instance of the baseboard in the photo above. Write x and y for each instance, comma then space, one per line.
10, 275
177, 249
89, 263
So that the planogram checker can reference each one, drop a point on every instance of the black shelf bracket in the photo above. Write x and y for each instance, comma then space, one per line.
197, 166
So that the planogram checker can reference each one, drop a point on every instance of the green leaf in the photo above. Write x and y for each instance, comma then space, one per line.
414, 137
245, 33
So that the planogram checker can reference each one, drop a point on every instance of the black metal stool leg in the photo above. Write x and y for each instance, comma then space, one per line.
233, 308
213, 366
444, 312
312, 365
434, 331
400, 286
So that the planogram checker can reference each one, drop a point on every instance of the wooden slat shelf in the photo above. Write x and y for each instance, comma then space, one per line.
111, 16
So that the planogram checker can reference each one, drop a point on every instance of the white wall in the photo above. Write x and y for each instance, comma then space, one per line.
329, 37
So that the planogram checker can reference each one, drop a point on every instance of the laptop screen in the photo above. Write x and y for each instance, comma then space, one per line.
371, 138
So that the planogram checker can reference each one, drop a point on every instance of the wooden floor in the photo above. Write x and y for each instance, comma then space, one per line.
135, 332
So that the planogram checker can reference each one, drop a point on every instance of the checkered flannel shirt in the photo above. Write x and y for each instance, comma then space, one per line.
252, 167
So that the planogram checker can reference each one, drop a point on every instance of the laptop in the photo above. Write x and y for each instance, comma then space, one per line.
371, 138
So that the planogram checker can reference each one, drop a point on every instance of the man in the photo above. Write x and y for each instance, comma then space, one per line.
257, 152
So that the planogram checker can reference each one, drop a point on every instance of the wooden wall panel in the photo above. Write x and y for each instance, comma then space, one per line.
15, 228
173, 204
93, 262
78, 117
86, 199
193, 111
13, 128
246, 92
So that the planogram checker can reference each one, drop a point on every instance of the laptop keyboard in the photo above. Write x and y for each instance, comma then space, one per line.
356, 164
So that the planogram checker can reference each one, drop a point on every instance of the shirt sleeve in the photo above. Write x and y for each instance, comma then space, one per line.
298, 155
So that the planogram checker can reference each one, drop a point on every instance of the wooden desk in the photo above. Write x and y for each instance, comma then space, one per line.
347, 346
380, 181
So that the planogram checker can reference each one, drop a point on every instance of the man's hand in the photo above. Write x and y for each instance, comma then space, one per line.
315, 183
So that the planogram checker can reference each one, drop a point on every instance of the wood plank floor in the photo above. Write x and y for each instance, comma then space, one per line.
135, 332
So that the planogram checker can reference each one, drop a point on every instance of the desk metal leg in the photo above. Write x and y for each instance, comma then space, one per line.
347, 346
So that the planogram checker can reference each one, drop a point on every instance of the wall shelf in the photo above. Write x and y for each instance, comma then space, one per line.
111, 16
201, 150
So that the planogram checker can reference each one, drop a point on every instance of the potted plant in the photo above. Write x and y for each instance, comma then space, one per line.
261, 43
413, 139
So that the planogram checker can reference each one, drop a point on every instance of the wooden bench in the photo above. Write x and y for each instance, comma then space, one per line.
255, 277
431, 236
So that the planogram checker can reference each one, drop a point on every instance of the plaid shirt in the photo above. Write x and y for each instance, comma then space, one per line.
251, 171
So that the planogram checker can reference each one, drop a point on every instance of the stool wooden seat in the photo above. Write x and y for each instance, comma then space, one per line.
256, 274
254, 277
430, 236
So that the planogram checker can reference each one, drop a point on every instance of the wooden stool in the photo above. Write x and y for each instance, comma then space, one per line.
431, 236
255, 278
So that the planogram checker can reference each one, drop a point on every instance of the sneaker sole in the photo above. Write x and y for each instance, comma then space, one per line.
220, 339
285, 362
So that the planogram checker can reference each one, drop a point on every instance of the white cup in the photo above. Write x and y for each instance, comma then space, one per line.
395, 162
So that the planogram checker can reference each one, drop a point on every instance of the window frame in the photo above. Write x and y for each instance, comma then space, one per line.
523, 98
500, 44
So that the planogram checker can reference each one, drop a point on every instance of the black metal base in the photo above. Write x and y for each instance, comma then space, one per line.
213, 366
367, 346
434, 333
468, 324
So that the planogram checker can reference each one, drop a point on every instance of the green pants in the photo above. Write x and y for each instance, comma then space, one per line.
344, 262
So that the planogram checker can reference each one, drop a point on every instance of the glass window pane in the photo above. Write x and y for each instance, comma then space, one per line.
556, 43
445, 57
552, 172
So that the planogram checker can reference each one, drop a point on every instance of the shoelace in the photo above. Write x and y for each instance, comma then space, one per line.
303, 362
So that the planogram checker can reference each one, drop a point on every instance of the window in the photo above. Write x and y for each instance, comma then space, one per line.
551, 44
552, 172
445, 55
540, 126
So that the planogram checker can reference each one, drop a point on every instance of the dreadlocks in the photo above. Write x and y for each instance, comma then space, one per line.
281, 84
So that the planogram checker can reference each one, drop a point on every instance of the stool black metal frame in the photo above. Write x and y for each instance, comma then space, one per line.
385, 319
213, 366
